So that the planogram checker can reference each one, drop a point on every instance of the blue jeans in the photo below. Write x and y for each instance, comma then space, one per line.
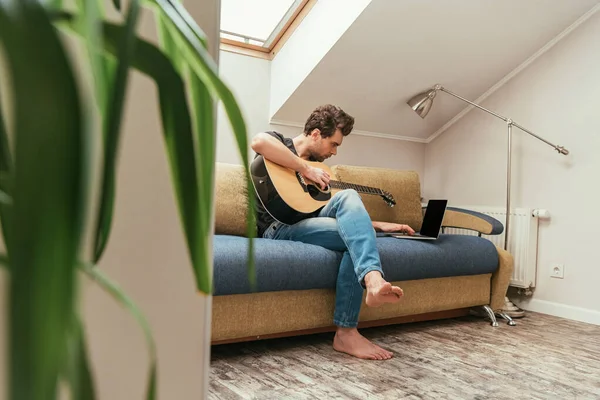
342, 225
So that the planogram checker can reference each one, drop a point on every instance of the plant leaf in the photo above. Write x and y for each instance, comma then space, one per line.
204, 130
6, 166
4, 260
173, 10
112, 125
167, 44
45, 219
204, 67
204, 144
119, 295
177, 131
91, 23
205, 70
78, 372
5, 198
54, 4
5, 153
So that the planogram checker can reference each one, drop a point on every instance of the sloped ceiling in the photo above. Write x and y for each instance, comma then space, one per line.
395, 49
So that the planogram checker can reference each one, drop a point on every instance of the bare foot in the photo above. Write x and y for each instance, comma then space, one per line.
379, 291
349, 341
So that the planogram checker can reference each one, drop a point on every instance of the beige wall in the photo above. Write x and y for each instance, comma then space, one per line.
557, 97
249, 79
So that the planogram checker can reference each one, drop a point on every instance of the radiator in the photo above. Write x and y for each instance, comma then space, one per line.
522, 241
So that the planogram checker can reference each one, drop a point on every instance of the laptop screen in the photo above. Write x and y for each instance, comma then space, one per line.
434, 215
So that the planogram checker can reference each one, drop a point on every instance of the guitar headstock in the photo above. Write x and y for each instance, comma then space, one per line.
388, 198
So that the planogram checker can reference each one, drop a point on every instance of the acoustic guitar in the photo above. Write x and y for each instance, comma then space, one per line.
299, 198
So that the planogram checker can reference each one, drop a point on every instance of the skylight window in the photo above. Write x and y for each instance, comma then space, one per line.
257, 24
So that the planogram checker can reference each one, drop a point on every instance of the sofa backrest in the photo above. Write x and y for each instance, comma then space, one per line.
231, 200
232, 196
403, 185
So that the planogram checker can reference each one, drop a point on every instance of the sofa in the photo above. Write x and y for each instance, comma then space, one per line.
295, 282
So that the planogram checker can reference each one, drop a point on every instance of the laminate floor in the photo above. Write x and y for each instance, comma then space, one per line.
543, 357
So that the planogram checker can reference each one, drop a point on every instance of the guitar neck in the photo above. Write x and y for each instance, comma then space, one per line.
358, 188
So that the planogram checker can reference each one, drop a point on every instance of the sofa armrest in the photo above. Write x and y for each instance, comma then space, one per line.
473, 220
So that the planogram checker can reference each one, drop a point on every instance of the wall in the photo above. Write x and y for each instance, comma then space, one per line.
556, 97
249, 78
309, 43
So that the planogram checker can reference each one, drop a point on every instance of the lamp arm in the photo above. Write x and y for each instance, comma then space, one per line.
443, 89
560, 149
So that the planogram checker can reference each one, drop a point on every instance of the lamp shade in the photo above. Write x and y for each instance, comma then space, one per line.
422, 102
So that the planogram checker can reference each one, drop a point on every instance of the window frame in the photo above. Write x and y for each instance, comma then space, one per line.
274, 42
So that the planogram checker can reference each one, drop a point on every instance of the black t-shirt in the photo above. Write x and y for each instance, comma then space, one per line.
263, 218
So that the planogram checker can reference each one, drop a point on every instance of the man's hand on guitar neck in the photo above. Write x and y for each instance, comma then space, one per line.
316, 175
391, 227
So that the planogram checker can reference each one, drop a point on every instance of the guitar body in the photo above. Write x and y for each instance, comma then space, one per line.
282, 193
290, 198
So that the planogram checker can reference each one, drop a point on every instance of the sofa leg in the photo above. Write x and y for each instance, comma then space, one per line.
508, 319
491, 314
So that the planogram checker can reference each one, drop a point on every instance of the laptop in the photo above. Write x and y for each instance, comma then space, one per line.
432, 223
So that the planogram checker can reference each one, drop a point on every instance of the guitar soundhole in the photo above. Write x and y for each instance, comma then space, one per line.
319, 194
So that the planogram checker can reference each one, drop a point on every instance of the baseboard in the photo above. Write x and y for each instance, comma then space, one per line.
560, 310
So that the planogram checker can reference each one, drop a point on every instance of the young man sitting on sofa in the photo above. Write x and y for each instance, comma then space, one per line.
342, 225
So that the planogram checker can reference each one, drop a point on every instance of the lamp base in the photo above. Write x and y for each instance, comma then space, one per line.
510, 309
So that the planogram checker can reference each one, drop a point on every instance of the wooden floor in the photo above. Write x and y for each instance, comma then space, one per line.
543, 357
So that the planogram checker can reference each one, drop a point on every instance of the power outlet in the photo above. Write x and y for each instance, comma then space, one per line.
557, 271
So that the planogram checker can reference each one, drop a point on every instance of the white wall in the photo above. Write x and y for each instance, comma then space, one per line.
249, 79
320, 29
556, 97
370, 151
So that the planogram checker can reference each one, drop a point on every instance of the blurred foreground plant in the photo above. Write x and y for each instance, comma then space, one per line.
45, 160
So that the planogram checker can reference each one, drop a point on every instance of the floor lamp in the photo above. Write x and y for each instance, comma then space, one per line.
421, 104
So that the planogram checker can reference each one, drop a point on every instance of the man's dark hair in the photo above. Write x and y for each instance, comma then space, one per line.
327, 119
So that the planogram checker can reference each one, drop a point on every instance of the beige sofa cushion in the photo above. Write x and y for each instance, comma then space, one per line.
232, 197
403, 185
231, 201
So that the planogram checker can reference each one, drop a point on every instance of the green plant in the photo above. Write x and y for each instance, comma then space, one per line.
44, 164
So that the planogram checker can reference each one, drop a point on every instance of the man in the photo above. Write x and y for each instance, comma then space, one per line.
342, 225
